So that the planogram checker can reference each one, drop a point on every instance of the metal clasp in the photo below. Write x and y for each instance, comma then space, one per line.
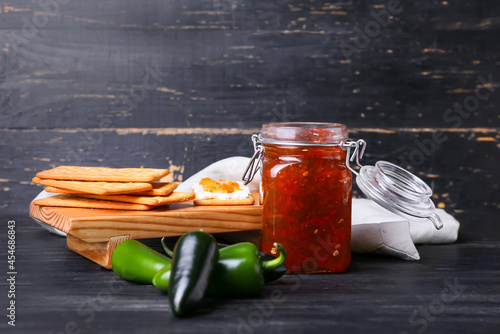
359, 147
256, 162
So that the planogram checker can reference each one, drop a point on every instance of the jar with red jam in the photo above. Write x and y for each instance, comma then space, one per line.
306, 195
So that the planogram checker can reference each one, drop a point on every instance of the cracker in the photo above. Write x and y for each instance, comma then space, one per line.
62, 191
99, 188
67, 200
215, 201
174, 197
123, 198
159, 189
77, 173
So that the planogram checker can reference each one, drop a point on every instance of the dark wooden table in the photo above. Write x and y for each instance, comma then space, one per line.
454, 288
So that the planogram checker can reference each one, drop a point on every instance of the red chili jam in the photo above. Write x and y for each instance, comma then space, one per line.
307, 192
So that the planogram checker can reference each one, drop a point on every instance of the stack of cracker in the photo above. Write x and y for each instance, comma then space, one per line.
108, 188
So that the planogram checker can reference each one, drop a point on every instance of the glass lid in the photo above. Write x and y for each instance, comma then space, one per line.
399, 191
391, 186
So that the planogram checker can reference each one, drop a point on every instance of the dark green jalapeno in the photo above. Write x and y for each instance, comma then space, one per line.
194, 258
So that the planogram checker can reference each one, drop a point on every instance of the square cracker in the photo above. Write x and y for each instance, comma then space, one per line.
68, 200
159, 189
174, 197
77, 173
98, 188
62, 191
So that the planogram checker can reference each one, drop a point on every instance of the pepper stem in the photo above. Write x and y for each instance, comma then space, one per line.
169, 252
275, 263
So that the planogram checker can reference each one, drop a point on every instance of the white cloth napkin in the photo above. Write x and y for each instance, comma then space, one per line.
374, 229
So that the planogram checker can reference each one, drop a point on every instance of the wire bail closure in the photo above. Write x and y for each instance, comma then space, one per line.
256, 162
359, 147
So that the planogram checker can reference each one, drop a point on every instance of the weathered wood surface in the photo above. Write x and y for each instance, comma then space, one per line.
233, 63
58, 291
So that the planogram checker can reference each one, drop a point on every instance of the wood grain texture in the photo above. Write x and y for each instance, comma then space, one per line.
237, 63
99, 252
95, 233
51, 217
97, 225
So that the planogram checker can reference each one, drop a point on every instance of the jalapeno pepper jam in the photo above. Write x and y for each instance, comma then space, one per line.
307, 194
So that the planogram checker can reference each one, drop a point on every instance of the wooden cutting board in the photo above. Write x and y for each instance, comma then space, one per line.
95, 233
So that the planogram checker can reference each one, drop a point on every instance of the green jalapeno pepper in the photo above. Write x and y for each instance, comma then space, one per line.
195, 256
134, 261
241, 271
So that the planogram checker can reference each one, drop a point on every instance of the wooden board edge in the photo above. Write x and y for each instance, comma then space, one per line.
50, 217
101, 231
99, 252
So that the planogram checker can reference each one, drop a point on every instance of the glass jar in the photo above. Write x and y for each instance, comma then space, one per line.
306, 195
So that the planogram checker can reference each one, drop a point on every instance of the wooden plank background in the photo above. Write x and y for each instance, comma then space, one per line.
182, 84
